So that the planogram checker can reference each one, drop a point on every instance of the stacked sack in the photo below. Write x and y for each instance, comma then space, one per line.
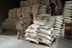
42, 17
41, 30
63, 30
42, 2
58, 25
52, 20
14, 13
14, 18
10, 22
18, 11
10, 13
68, 12
46, 29
35, 9
43, 9
24, 3
26, 16
31, 33
45, 32
33, 2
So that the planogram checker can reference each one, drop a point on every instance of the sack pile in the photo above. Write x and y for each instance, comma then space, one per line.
43, 9
31, 33
10, 22
41, 30
24, 3
35, 9
52, 20
18, 11
45, 34
68, 12
26, 16
58, 25
63, 30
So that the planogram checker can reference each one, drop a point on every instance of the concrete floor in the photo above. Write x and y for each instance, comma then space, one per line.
8, 39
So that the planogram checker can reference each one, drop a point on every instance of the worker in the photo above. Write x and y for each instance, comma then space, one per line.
31, 18
53, 8
19, 27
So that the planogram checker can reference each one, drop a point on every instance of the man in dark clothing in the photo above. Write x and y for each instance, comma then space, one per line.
31, 18
53, 6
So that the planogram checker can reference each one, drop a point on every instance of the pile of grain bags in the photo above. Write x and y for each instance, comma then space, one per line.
10, 22
14, 13
7, 23
26, 16
18, 11
41, 30
58, 25
10, 13
45, 34
31, 33
68, 12
35, 9
45, 31
43, 9
47, 2
63, 30
24, 3
52, 20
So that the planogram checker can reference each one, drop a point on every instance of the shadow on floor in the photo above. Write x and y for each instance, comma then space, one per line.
9, 32
64, 43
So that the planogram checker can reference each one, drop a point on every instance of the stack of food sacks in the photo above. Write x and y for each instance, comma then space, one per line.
44, 32
43, 9
18, 11
35, 10
63, 30
67, 12
52, 20
24, 3
26, 16
58, 25
31, 33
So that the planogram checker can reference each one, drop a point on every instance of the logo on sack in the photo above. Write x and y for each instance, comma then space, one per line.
39, 30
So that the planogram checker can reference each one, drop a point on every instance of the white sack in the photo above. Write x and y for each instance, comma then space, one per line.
35, 40
31, 35
45, 36
31, 31
40, 22
47, 26
45, 41
35, 26
48, 32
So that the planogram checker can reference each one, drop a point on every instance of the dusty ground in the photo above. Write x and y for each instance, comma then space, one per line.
8, 39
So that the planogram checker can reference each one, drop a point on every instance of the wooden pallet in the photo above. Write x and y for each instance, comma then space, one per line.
43, 44
32, 41
40, 43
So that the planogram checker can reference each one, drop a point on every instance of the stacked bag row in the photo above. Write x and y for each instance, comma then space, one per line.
43, 9
68, 12
10, 22
63, 30
26, 16
35, 9
41, 31
58, 25
52, 20
29, 3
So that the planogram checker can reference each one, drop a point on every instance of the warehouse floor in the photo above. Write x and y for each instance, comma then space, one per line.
8, 39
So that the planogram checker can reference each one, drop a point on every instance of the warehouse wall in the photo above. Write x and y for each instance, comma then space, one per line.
5, 6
